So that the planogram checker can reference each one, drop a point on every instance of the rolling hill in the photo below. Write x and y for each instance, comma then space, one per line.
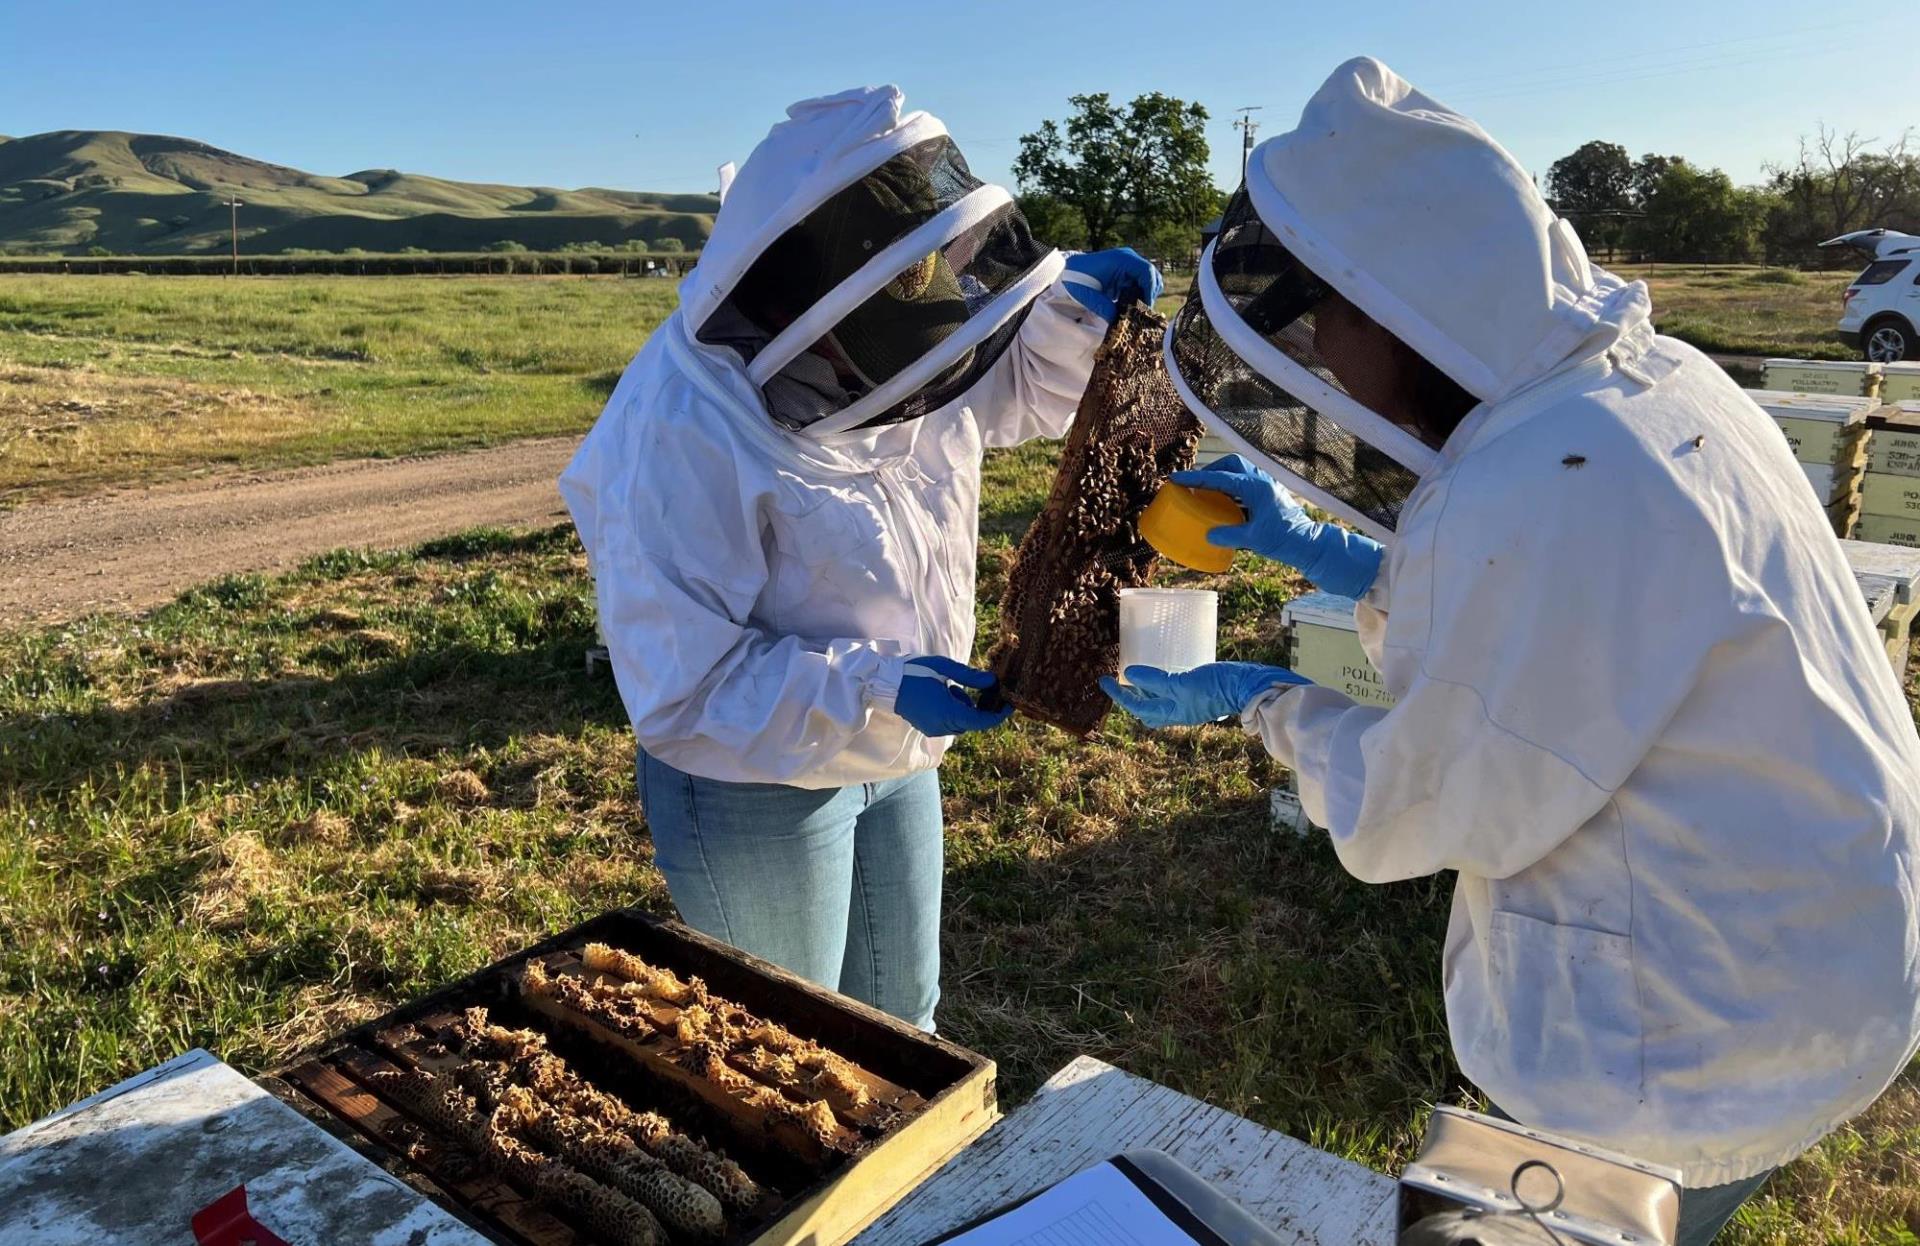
149, 194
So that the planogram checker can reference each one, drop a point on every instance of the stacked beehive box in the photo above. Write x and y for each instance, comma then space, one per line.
1890, 494
1323, 644
1900, 382
1848, 379
1828, 433
1889, 578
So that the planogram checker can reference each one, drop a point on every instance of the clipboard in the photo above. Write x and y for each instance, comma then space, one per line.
1137, 1198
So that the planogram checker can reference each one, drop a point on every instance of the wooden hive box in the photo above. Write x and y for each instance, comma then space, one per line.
1894, 445
1848, 378
920, 1100
1895, 566
1900, 382
1888, 530
1824, 430
1323, 644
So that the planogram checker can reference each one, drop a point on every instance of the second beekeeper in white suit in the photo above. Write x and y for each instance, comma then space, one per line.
781, 509
1640, 708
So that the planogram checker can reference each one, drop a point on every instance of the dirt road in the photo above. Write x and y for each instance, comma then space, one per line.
133, 548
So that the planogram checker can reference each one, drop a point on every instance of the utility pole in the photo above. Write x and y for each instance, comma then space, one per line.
233, 202
1247, 126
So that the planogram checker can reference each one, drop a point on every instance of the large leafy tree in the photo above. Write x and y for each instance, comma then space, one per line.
1692, 214
1593, 187
1131, 174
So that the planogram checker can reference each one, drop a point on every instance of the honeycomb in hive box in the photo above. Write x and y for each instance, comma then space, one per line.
1060, 614
633, 1082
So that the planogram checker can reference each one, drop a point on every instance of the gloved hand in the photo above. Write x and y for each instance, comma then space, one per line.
1117, 273
1278, 527
1202, 695
934, 701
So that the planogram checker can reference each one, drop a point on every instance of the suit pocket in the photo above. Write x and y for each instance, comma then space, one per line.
1569, 1003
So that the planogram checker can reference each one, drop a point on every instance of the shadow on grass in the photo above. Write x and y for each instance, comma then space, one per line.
452, 698
471, 658
1213, 954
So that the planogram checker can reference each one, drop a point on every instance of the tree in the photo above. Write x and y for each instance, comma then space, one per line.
1055, 223
1692, 214
1127, 171
673, 245
1839, 184
1593, 188
505, 245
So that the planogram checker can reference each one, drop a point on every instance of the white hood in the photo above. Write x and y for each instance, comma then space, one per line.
1424, 222
823, 144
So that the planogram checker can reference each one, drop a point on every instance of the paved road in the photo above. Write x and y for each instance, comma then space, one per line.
134, 548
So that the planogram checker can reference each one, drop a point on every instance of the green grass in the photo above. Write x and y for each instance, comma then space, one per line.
1740, 310
114, 380
279, 805
106, 380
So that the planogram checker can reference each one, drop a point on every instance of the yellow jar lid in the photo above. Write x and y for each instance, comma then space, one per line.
1178, 519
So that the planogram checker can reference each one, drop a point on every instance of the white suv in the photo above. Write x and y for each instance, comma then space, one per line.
1881, 312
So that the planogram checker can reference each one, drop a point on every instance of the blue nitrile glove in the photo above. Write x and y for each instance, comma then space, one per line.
934, 701
1278, 527
1117, 273
1202, 695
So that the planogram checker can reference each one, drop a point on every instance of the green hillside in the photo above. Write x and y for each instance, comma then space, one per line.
148, 194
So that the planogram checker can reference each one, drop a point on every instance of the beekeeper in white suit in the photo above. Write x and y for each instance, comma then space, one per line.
1640, 708
780, 506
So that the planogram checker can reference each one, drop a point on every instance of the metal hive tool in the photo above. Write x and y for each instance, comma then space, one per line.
1060, 614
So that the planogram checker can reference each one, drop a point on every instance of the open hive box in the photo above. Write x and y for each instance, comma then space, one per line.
632, 1081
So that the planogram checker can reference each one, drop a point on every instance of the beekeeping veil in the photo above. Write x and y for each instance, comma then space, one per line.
859, 272
1421, 221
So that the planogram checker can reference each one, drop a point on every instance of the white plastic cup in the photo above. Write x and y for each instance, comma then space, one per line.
1174, 629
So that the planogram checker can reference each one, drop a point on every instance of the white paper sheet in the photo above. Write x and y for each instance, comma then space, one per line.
1098, 1206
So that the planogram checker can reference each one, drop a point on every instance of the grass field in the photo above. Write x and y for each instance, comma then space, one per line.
1740, 310
280, 805
105, 380
109, 380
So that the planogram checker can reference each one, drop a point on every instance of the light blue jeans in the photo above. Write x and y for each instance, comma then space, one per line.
841, 886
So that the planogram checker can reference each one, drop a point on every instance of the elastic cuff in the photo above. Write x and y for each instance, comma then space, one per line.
1257, 708
883, 686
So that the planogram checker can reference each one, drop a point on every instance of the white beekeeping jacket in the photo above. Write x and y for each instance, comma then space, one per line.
1640, 709
759, 587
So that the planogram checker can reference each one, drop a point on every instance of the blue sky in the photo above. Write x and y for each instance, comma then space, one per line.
649, 96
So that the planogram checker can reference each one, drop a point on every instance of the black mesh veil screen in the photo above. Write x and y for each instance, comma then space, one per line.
942, 301
1305, 427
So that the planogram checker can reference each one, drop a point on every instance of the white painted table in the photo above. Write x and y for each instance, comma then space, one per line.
131, 1165
1091, 1111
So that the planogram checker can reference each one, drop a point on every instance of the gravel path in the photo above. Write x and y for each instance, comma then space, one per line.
130, 549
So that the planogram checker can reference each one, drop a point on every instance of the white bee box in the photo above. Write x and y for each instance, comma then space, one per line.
1885, 569
1898, 496
1852, 378
1889, 530
1900, 382
1821, 428
1211, 447
1324, 646
1893, 446
1828, 484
